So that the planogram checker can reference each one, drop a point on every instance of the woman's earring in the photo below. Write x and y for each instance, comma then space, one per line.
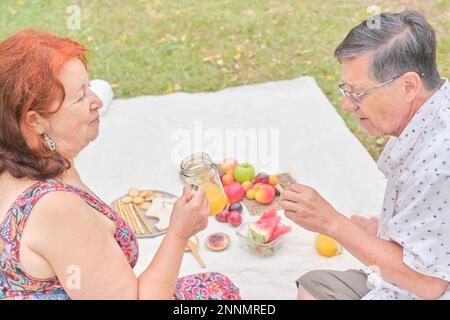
50, 143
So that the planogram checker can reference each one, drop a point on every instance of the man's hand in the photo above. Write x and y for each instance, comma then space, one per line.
370, 225
307, 208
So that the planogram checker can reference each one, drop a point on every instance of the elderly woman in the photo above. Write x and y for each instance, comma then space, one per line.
58, 239
392, 85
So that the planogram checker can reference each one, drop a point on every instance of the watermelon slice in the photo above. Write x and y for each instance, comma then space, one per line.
272, 213
261, 230
279, 230
267, 228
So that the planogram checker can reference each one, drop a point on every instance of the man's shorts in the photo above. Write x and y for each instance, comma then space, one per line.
335, 285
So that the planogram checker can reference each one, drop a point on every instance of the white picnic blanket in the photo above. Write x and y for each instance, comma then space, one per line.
143, 139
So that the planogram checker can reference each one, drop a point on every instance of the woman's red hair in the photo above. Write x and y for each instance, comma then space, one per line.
30, 63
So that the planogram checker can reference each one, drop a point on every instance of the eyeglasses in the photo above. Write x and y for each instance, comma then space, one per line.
355, 98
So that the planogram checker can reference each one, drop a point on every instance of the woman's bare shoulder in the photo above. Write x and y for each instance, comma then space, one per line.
60, 212
60, 202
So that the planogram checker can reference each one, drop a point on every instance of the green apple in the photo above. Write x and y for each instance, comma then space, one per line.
244, 172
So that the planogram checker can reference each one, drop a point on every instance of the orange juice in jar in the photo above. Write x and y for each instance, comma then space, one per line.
199, 170
216, 197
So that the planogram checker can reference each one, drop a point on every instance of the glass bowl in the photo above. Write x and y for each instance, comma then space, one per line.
261, 249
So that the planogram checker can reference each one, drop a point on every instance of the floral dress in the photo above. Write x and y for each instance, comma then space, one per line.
15, 283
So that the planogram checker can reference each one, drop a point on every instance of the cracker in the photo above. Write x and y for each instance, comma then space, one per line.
145, 206
152, 196
126, 199
145, 193
138, 200
133, 192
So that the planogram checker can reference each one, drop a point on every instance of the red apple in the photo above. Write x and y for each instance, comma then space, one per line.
223, 216
234, 192
235, 218
264, 194
228, 164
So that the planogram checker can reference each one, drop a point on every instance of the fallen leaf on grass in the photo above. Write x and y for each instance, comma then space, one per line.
171, 37
380, 141
170, 47
275, 61
212, 58
249, 13
123, 37
172, 89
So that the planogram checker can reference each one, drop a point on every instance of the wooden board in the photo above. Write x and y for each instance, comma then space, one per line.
254, 208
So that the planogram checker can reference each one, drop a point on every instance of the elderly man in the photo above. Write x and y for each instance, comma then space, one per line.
391, 83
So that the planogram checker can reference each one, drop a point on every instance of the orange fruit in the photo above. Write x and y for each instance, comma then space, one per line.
227, 179
273, 180
250, 194
326, 246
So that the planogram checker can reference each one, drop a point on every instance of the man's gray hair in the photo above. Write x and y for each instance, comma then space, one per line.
402, 42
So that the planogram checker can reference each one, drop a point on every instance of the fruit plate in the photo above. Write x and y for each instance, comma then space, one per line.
137, 217
256, 209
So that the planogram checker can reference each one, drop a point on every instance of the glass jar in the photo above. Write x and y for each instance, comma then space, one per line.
198, 170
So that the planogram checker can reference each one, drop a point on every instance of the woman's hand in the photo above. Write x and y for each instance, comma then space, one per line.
190, 214
370, 225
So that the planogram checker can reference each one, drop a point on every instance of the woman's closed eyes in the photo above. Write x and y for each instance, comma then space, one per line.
84, 95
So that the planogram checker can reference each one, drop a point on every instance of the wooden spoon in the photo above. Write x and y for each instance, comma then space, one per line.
194, 248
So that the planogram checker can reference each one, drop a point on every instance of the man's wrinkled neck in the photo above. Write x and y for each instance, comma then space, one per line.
415, 106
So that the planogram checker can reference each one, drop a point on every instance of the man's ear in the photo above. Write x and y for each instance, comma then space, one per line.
35, 122
411, 85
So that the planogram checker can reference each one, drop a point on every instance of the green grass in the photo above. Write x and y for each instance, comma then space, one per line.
157, 47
